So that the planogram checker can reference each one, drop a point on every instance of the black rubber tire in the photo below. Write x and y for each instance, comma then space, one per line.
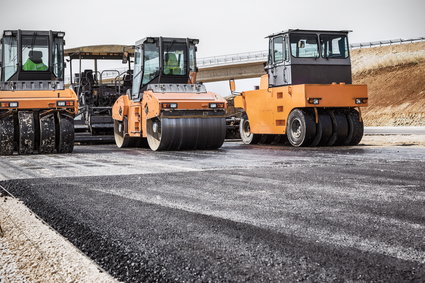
318, 135
325, 122
186, 133
7, 133
245, 132
301, 128
339, 128
47, 134
355, 126
26, 139
64, 134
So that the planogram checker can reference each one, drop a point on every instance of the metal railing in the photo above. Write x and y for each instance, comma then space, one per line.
256, 56
261, 56
385, 42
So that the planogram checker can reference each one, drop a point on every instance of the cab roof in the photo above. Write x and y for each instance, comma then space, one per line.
100, 51
31, 32
168, 39
309, 31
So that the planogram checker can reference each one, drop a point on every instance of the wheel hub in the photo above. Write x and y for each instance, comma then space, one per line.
296, 128
155, 127
246, 128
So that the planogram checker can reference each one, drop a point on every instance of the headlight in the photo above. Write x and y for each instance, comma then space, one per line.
361, 100
169, 105
65, 103
314, 101
216, 105
9, 104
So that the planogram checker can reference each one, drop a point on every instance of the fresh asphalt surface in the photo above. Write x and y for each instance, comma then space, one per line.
242, 213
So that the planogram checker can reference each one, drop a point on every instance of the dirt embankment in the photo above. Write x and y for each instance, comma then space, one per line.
395, 76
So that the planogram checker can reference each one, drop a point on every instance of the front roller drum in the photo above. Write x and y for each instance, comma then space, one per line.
65, 133
122, 140
26, 136
7, 133
186, 133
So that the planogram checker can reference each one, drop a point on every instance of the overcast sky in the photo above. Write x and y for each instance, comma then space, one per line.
223, 26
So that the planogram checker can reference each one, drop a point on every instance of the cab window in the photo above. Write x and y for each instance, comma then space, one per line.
278, 50
334, 46
175, 59
35, 53
58, 65
304, 45
192, 58
9, 58
150, 62
137, 78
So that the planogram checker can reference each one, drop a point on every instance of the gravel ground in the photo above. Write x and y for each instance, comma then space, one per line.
242, 213
31, 252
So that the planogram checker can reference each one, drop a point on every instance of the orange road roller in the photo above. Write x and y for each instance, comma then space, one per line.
307, 97
165, 108
36, 111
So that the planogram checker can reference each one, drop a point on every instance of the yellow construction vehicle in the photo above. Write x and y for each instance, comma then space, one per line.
307, 95
165, 105
36, 111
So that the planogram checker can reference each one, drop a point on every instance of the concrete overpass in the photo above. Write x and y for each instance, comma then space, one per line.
246, 65
251, 64
234, 66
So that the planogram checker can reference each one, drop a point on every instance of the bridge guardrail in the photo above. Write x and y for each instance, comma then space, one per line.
260, 56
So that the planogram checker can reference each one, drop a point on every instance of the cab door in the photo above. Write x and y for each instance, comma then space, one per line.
278, 66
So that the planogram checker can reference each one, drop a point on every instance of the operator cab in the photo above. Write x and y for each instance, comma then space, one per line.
33, 58
308, 57
161, 60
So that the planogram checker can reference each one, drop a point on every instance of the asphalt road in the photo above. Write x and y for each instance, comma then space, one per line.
241, 213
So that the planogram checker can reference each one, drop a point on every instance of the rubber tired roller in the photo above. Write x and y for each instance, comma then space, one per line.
307, 96
36, 111
165, 108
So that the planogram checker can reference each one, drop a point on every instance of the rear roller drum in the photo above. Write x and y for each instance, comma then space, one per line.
26, 136
65, 134
245, 132
7, 133
186, 133
47, 134
339, 128
356, 128
301, 128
